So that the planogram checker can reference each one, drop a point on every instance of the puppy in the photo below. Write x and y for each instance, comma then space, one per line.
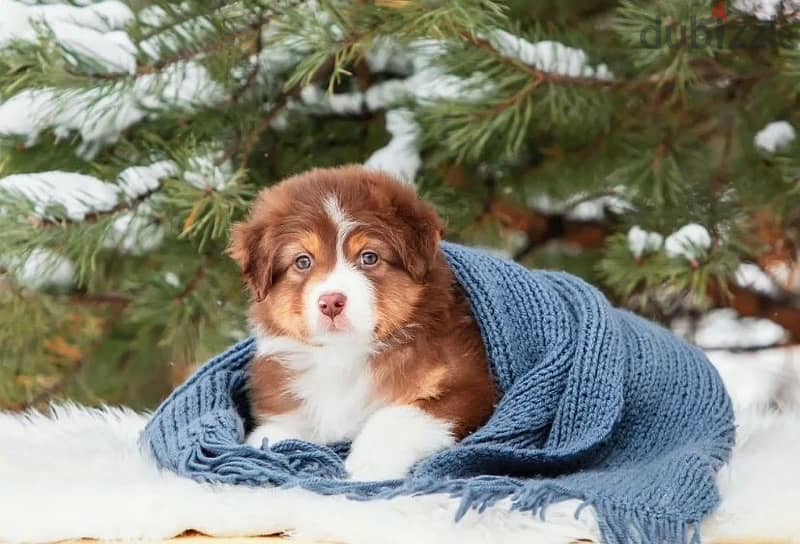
362, 333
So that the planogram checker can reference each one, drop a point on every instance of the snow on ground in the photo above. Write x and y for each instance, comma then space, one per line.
724, 329
641, 241
690, 242
771, 375
775, 136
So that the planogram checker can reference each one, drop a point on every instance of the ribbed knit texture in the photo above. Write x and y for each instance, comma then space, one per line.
597, 404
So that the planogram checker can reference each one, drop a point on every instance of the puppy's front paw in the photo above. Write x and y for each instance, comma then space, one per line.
273, 432
393, 440
365, 465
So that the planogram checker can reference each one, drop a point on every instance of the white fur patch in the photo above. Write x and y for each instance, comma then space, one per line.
344, 224
393, 440
359, 313
278, 428
334, 382
334, 385
334, 210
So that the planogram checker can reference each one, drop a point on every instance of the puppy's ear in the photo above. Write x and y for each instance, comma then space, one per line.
248, 248
420, 237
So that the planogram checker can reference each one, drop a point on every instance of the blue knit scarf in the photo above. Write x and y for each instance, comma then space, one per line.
597, 404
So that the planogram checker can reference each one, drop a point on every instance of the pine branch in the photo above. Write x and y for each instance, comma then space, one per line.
542, 76
194, 281
253, 75
246, 147
120, 300
252, 30
47, 394
97, 216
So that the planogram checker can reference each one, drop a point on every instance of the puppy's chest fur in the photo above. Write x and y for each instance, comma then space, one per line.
324, 392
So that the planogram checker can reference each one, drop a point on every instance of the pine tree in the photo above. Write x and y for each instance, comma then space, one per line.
634, 143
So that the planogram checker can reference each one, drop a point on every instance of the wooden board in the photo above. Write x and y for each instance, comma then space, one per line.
196, 538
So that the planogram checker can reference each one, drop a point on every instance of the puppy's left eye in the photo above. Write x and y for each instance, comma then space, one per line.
369, 258
303, 262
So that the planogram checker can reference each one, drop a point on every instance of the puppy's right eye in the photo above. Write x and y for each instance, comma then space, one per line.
303, 262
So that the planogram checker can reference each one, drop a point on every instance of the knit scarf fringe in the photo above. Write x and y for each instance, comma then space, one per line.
618, 525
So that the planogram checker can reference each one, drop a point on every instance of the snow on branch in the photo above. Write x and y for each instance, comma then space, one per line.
103, 113
775, 137
78, 197
751, 276
548, 56
428, 82
582, 206
133, 228
400, 157
768, 10
76, 194
641, 242
42, 268
691, 242
22, 22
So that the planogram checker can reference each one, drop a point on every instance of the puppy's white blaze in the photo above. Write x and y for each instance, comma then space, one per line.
359, 311
344, 224
393, 440
334, 210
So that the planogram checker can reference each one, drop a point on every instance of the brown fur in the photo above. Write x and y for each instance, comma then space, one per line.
431, 352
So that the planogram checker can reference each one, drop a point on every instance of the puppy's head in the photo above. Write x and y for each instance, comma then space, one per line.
340, 253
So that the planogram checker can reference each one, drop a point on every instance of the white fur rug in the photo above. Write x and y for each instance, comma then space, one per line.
78, 473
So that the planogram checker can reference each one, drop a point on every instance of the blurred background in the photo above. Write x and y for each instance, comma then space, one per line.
648, 147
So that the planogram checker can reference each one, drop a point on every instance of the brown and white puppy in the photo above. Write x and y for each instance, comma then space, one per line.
362, 332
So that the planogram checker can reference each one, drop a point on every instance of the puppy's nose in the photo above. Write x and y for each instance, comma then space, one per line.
332, 304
